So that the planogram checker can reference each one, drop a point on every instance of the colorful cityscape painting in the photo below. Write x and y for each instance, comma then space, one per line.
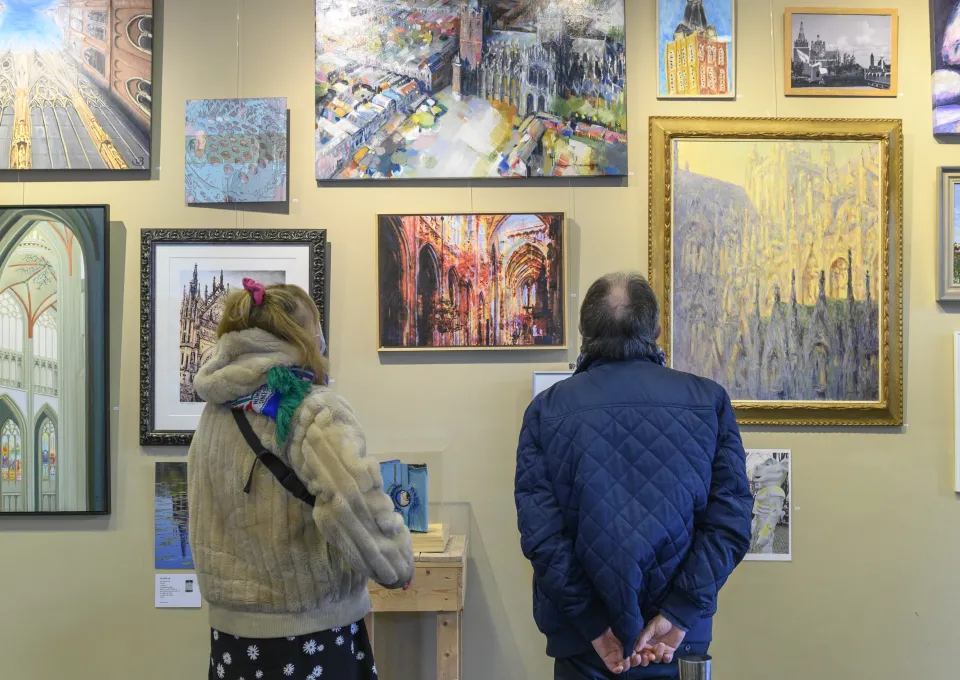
420, 89
471, 281
777, 270
696, 49
171, 518
236, 151
76, 84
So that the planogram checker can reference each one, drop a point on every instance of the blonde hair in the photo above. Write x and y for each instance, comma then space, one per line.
278, 315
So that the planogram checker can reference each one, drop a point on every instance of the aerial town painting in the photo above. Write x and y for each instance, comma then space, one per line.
778, 276
420, 89
471, 281
76, 87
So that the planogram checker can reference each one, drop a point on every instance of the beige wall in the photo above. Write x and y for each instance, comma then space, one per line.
871, 592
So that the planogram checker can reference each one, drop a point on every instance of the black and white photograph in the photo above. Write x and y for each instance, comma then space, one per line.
770, 481
841, 52
187, 276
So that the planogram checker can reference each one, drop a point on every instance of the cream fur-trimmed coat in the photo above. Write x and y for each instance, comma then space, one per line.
267, 565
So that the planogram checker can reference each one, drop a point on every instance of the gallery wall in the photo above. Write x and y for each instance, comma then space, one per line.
871, 591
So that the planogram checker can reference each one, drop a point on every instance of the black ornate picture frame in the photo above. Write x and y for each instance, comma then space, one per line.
168, 411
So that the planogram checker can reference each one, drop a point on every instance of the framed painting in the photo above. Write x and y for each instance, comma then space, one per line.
949, 256
771, 479
945, 19
76, 83
171, 518
236, 151
697, 54
470, 89
54, 360
186, 274
471, 281
776, 250
832, 52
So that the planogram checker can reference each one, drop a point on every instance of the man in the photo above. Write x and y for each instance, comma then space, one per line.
632, 497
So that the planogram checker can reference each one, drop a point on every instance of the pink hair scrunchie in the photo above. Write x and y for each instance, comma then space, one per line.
255, 289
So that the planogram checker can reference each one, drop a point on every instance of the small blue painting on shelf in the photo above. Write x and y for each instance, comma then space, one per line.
171, 518
406, 485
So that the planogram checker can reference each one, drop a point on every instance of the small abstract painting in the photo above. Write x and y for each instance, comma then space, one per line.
696, 49
171, 518
841, 52
770, 481
470, 88
406, 485
236, 151
946, 66
471, 281
776, 245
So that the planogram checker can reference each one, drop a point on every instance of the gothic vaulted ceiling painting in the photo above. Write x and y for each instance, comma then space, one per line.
76, 84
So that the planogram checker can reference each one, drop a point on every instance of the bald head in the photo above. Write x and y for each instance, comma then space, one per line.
620, 317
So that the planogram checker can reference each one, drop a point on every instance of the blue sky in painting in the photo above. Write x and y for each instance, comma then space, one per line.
956, 213
25, 25
670, 12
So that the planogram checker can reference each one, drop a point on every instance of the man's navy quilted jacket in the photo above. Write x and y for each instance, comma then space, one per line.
633, 500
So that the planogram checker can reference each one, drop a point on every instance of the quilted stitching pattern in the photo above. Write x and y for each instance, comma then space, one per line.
632, 498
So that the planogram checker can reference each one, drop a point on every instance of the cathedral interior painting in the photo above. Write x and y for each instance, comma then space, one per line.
696, 49
201, 308
471, 281
76, 84
236, 151
46, 464
779, 268
470, 88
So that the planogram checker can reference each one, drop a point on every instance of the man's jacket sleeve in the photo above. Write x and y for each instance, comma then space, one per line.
543, 539
721, 531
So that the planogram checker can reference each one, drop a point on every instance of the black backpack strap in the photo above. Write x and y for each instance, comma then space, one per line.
277, 467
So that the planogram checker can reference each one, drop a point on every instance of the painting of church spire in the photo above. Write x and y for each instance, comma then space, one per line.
696, 49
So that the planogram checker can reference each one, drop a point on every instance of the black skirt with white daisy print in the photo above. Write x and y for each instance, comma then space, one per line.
338, 654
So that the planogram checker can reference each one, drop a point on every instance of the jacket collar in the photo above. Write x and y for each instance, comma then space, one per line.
586, 362
240, 363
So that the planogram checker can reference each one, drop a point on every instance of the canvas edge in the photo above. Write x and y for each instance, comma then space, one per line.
886, 131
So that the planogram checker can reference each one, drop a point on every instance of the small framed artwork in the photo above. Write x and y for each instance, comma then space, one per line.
542, 380
771, 535
697, 53
945, 17
471, 281
949, 256
236, 151
186, 274
833, 52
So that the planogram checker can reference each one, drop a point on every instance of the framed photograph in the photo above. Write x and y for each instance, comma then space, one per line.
831, 52
171, 518
946, 66
776, 250
771, 479
54, 360
468, 89
77, 85
697, 54
236, 151
471, 281
186, 275
949, 256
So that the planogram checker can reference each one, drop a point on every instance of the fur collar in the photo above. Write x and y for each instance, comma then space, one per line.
240, 363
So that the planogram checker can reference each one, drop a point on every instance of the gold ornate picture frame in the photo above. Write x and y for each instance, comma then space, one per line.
775, 248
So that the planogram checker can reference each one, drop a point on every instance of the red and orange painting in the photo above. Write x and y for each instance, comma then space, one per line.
471, 281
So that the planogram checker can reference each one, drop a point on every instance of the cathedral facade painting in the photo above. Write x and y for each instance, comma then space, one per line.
471, 281
778, 257
76, 84
188, 274
470, 88
236, 151
696, 49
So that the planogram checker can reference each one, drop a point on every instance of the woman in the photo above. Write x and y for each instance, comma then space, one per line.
286, 581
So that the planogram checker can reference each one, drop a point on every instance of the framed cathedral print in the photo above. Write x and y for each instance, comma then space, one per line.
76, 84
54, 360
776, 250
186, 274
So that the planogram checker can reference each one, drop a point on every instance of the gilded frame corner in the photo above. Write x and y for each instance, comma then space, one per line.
888, 133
